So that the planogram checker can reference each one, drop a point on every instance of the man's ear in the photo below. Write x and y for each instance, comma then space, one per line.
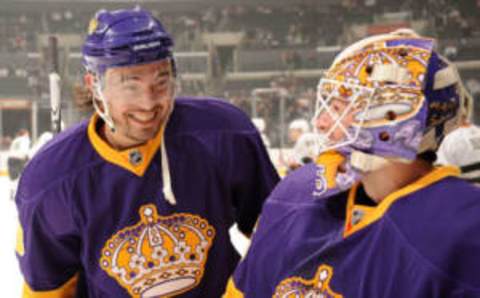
88, 80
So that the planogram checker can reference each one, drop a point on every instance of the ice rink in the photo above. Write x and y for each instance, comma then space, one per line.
11, 279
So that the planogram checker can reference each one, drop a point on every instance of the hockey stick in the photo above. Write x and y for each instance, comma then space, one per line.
55, 85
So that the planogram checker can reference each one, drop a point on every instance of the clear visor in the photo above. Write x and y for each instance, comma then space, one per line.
139, 85
132, 83
339, 113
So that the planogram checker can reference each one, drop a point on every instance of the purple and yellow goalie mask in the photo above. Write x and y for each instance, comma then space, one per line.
391, 96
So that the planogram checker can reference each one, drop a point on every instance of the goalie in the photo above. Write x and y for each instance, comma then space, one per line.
375, 217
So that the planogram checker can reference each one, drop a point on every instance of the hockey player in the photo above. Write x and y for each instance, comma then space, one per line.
405, 228
17, 158
18, 153
296, 130
305, 150
461, 148
260, 125
137, 202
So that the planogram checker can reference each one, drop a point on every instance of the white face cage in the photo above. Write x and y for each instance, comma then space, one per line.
340, 111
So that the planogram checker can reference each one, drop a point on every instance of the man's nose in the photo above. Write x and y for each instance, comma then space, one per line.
323, 121
150, 97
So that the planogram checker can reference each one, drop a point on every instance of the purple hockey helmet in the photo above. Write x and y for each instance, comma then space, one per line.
125, 37
391, 96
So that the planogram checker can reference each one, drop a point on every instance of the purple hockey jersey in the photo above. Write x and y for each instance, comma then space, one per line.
96, 224
420, 241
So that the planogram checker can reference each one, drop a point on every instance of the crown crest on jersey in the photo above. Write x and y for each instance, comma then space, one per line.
159, 256
298, 287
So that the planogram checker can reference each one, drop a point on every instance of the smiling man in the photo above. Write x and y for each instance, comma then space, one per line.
138, 201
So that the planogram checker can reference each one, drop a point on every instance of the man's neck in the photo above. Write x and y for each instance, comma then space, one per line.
114, 139
392, 177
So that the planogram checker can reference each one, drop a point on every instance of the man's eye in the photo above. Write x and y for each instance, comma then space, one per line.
161, 83
130, 88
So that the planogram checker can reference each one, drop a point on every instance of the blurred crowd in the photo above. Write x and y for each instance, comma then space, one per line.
288, 28
265, 26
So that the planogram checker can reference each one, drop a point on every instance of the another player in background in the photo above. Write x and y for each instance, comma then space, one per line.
137, 201
296, 129
17, 158
260, 125
43, 139
18, 153
406, 228
461, 147
307, 148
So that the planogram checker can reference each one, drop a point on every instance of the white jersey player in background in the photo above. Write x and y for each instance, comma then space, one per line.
299, 135
461, 147
261, 125
17, 158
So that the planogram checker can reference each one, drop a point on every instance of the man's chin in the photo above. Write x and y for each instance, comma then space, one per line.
145, 135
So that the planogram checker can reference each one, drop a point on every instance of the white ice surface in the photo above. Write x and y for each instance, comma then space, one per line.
10, 276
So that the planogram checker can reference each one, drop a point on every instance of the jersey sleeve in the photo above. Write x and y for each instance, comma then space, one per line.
445, 153
256, 275
251, 176
48, 246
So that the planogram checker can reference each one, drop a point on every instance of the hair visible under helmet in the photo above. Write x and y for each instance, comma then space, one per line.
127, 37
123, 38
405, 98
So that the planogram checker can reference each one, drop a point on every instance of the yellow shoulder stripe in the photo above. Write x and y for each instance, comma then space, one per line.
19, 248
437, 174
232, 291
122, 158
66, 291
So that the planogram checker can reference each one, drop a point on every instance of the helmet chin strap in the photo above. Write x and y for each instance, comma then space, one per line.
368, 162
105, 115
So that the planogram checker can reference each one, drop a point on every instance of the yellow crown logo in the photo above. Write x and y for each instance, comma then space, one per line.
297, 287
159, 256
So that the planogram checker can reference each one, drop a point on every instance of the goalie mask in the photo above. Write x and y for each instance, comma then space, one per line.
388, 96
